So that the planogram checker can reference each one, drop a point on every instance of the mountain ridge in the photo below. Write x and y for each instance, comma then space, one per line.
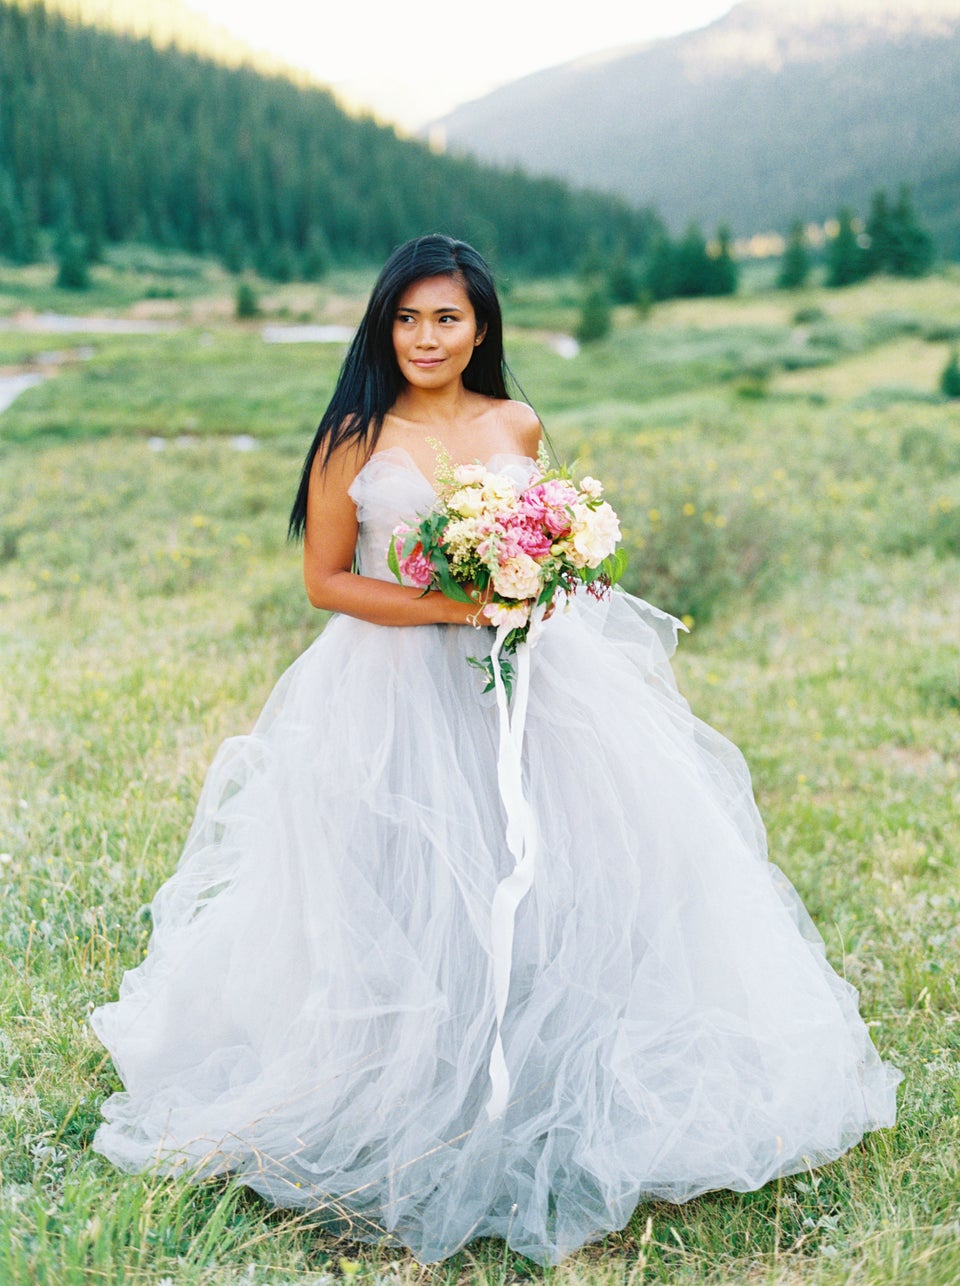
768, 114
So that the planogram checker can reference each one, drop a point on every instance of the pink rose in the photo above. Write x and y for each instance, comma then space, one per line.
417, 568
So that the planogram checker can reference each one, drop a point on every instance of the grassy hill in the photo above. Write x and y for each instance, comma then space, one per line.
776, 111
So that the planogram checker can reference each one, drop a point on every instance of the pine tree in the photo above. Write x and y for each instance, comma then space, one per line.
11, 221
693, 267
661, 275
950, 377
621, 279
846, 259
911, 252
795, 264
880, 235
596, 316
246, 304
722, 277
72, 263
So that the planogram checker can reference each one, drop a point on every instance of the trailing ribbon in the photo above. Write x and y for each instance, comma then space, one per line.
522, 841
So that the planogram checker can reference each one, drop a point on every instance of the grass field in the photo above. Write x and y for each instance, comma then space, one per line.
789, 480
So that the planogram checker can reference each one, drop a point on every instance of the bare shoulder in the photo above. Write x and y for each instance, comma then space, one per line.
525, 425
333, 475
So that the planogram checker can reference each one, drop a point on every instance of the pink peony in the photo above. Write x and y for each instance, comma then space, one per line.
547, 504
529, 534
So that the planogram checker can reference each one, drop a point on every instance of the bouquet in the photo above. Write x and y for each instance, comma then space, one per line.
510, 548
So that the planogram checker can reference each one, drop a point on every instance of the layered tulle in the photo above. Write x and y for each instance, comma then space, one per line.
315, 1012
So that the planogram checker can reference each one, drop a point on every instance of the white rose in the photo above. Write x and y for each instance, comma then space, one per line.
592, 487
468, 501
468, 474
595, 534
498, 490
518, 577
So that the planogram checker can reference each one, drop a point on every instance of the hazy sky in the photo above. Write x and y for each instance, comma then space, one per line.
412, 60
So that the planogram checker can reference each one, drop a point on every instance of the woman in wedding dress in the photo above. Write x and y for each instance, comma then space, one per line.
317, 1011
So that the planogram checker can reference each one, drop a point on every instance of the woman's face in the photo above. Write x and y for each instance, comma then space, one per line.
434, 332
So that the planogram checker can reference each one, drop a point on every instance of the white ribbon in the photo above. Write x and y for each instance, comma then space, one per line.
522, 841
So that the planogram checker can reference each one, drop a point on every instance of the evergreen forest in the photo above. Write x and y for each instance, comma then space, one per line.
106, 138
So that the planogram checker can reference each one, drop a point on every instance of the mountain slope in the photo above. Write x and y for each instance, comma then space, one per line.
121, 140
166, 23
774, 112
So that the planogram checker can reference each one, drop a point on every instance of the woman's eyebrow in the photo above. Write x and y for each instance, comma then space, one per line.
448, 308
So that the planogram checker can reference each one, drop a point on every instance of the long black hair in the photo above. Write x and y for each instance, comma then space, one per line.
370, 380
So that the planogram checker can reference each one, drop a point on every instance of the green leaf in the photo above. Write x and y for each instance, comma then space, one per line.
450, 587
485, 666
393, 562
615, 565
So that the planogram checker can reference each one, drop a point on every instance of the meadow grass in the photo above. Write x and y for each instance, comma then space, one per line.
148, 602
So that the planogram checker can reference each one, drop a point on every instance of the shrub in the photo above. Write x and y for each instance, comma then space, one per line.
247, 304
950, 377
595, 316
72, 264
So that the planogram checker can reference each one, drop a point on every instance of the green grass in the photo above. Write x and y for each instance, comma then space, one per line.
148, 602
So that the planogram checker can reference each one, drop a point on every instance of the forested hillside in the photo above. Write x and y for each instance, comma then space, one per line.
778, 111
115, 139
164, 23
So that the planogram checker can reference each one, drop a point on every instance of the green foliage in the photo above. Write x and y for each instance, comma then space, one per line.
846, 257
622, 283
19, 240
130, 142
892, 242
596, 316
72, 261
795, 264
690, 268
950, 377
246, 304
897, 243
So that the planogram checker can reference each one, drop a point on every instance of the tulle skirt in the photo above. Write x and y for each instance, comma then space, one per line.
315, 1013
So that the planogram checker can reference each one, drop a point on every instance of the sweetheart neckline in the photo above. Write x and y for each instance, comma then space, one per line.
413, 467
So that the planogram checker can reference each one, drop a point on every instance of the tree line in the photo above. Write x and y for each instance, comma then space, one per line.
105, 138
892, 241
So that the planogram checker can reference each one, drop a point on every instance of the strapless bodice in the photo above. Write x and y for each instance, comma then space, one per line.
391, 489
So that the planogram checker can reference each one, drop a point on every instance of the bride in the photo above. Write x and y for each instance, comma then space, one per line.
316, 1012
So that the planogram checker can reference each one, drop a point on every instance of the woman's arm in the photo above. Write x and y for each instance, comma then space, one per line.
328, 547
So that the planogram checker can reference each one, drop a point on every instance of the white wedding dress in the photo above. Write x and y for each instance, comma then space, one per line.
315, 1012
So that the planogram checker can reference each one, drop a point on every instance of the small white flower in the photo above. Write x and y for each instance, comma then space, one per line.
592, 487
